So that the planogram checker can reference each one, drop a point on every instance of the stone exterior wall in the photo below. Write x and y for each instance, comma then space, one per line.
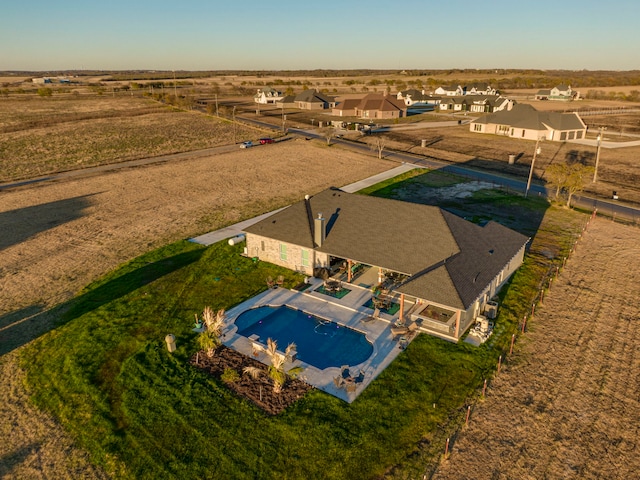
270, 250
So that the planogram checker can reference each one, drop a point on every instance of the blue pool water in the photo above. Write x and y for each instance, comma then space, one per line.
319, 342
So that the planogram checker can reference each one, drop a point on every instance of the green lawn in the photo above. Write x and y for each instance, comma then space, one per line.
144, 413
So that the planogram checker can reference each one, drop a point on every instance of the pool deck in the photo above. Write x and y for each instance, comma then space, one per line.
347, 311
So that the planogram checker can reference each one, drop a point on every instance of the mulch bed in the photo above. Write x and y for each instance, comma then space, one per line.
259, 391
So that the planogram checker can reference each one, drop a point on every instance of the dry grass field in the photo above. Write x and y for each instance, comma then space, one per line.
39, 136
567, 404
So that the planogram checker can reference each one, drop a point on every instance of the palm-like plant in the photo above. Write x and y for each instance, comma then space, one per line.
276, 368
209, 338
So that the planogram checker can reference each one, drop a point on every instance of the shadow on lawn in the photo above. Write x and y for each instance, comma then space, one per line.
24, 325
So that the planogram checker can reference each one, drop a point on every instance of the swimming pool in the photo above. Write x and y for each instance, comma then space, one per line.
319, 342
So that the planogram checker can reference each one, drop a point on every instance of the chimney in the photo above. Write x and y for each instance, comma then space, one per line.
319, 230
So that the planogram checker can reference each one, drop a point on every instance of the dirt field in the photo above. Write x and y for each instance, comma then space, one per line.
567, 404
56, 238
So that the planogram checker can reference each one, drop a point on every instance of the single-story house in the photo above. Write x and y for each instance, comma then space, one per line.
445, 269
288, 101
346, 108
475, 103
413, 97
480, 89
560, 92
267, 95
524, 121
377, 105
473, 89
313, 100
450, 90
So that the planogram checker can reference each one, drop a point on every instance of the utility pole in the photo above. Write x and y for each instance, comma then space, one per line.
217, 114
599, 139
535, 153
234, 123
175, 85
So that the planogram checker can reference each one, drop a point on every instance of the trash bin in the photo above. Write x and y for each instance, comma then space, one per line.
424, 143
512, 159
171, 342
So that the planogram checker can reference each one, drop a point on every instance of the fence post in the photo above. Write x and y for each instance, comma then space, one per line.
513, 339
466, 421
446, 448
484, 388
499, 362
524, 323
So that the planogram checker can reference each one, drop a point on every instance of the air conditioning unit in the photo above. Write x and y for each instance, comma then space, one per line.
491, 310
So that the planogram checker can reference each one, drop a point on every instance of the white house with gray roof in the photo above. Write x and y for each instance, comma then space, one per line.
524, 121
446, 269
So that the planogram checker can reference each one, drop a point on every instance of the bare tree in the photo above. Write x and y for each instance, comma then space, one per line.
328, 134
378, 145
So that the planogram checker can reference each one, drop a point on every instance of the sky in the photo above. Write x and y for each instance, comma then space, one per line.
333, 34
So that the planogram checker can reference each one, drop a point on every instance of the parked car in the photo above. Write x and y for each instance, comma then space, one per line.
266, 140
246, 144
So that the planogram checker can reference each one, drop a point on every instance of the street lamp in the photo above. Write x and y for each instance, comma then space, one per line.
535, 153
599, 139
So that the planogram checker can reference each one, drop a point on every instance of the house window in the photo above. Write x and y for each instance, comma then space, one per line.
305, 258
262, 245
283, 252
523, 133
477, 127
512, 130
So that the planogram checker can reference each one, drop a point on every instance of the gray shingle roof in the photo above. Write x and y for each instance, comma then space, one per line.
525, 116
313, 96
450, 259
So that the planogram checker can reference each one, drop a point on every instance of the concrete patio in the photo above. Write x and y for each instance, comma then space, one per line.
347, 311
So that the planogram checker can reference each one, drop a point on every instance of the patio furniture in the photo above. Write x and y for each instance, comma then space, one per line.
270, 282
280, 280
338, 382
351, 387
374, 316
360, 377
398, 331
344, 372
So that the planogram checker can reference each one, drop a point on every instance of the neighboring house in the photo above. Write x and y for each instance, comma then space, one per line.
446, 268
475, 103
313, 100
524, 121
417, 97
267, 95
480, 89
473, 89
41, 80
346, 108
377, 105
288, 101
450, 90
561, 92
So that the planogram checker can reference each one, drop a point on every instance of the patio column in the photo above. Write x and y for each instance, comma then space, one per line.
401, 318
457, 323
349, 271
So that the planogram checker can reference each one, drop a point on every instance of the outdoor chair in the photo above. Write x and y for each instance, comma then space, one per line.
280, 280
374, 316
351, 387
270, 283
398, 331
344, 371
360, 377
338, 382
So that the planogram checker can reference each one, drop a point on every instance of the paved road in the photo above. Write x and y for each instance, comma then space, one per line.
610, 208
